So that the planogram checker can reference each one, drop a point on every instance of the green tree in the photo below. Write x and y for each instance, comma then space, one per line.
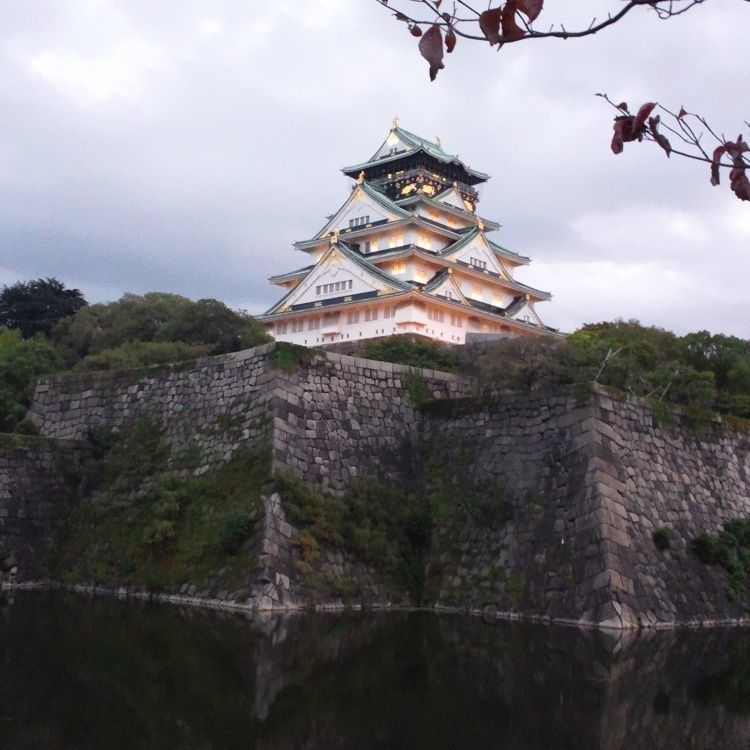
21, 362
36, 306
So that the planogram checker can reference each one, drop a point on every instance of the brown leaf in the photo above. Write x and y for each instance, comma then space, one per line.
512, 32
719, 151
415, 30
400, 16
450, 40
653, 124
681, 113
623, 106
739, 182
622, 129
640, 118
531, 8
489, 23
437, 3
735, 149
431, 47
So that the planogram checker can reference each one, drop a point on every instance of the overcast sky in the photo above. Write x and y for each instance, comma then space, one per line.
183, 147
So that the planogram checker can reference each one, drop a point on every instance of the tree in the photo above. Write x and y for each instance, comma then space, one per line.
114, 334
511, 22
36, 306
22, 361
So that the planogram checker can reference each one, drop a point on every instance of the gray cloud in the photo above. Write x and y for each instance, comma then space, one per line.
185, 146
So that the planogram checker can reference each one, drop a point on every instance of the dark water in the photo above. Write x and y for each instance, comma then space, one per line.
81, 673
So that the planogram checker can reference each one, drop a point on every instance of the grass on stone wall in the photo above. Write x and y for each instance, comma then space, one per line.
143, 518
731, 550
385, 528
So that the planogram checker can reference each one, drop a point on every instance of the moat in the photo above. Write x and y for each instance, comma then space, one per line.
93, 673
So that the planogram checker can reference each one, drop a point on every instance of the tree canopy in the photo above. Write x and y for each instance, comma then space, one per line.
34, 307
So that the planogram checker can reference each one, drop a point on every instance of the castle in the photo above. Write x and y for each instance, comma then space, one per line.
407, 252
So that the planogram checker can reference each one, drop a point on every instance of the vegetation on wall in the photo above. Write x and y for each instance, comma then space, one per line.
45, 328
701, 371
413, 351
731, 550
144, 519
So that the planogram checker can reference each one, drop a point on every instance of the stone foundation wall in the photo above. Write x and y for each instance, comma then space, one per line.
33, 499
587, 485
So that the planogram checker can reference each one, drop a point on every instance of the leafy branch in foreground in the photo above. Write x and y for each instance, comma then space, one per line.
690, 129
438, 27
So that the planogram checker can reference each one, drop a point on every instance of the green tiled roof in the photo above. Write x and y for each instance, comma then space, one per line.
470, 235
417, 143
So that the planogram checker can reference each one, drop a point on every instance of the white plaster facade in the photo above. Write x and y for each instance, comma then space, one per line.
405, 253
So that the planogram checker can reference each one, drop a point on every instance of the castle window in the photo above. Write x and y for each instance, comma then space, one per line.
396, 240
353, 317
389, 312
297, 326
360, 221
456, 321
371, 313
476, 294
337, 286
397, 268
477, 263
420, 274
281, 328
313, 323
436, 315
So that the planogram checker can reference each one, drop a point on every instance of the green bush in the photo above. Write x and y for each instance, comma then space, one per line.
413, 351
731, 550
236, 529
661, 538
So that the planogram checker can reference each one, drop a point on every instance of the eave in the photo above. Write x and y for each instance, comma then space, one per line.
454, 210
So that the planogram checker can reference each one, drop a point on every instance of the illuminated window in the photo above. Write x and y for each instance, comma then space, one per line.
496, 300
397, 268
420, 275
476, 294
396, 240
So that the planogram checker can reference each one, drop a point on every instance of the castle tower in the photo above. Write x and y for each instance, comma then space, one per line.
407, 252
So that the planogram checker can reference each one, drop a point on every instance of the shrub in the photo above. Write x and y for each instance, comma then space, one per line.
413, 351
236, 529
661, 538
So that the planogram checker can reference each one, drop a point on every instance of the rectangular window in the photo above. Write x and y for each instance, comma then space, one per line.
313, 323
398, 268
477, 263
420, 275
436, 315
476, 294
396, 240
353, 317
371, 314
297, 326
456, 321
280, 328
367, 247
338, 286
389, 312
360, 221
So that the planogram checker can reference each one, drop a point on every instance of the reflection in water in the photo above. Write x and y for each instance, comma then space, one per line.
80, 673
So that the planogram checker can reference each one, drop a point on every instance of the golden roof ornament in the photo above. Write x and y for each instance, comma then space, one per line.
394, 122
437, 141
480, 224
361, 177
335, 237
455, 184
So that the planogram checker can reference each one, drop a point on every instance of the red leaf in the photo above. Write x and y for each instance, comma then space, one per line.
623, 106
450, 40
489, 23
640, 118
735, 149
415, 31
531, 8
512, 32
437, 3
431, 47
653, 124
622, 128
681, 113
739, 183
719, 151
